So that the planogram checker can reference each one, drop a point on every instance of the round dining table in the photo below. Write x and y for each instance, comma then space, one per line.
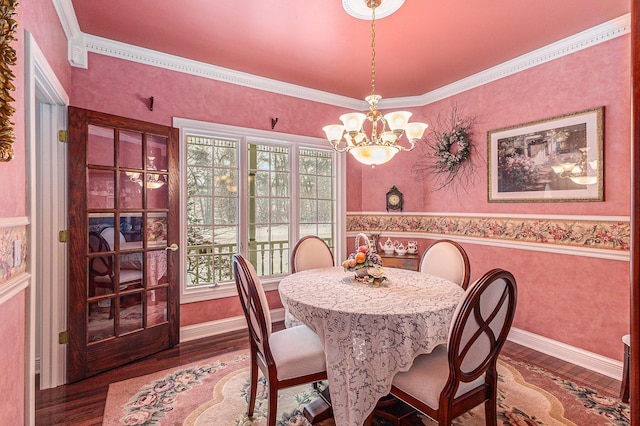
370, 332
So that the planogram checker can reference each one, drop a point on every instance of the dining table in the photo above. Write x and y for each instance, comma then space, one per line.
370, 332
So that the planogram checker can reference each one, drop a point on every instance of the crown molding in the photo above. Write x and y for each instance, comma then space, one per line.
80, 44
583, 40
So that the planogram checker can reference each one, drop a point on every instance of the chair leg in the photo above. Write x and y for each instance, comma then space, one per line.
491, 409
253, 385
272, 410
624, 388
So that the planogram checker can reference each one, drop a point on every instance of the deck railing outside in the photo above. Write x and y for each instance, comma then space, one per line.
210, 264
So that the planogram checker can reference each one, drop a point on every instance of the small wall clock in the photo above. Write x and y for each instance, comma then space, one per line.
394, 199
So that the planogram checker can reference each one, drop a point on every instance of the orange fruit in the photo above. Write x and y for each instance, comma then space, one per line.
360, 257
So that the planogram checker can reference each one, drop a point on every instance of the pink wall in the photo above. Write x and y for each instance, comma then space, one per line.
41, 20
181, 95
12, 353
590, 78
104, 89
581, 301
598, 76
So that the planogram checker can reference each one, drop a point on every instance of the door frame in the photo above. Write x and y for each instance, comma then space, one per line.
45, 113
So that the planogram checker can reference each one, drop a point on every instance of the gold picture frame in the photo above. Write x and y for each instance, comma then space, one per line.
8, 54
559, 159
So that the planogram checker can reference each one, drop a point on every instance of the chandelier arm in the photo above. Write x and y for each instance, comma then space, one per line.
338, 149
402, 148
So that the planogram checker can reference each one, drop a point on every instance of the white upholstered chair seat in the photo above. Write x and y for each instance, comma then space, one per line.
427, 377
297, 351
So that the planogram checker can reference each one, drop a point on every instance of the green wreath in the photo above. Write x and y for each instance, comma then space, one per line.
452, 149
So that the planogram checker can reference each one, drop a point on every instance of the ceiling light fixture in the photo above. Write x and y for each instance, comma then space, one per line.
154, 181
381, 145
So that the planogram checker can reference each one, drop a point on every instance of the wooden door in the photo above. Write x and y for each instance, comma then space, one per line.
123, 234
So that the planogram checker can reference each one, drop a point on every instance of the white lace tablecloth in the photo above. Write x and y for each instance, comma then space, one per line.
370, 332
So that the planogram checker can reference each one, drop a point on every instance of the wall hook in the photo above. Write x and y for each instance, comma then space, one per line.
274, 121
151, 103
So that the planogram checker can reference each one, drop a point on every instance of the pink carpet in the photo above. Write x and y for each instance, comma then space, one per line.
214, 392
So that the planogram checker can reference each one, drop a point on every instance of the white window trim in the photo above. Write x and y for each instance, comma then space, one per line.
187, 126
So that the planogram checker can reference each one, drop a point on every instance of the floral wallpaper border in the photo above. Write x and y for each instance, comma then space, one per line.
610, 235
7, 237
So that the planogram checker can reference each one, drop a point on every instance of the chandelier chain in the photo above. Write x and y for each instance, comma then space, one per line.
373, 46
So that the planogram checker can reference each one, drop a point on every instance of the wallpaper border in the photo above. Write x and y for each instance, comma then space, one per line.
12, 229
606, 234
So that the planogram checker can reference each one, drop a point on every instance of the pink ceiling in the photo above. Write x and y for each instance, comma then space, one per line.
315, 43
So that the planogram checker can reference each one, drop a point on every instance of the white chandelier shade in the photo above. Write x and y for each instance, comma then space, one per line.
372, 138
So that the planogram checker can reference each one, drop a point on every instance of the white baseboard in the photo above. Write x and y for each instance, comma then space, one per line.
589, 360
226, 325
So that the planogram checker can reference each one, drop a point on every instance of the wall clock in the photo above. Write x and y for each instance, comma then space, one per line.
394, 199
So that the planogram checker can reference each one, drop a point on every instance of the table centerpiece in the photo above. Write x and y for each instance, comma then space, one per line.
364, 263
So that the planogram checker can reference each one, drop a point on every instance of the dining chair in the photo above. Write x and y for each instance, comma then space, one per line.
288, 357
102, 272
624, 387
447, 259
455, 378
310, 252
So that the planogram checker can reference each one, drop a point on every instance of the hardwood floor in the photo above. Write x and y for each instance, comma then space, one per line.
83, 403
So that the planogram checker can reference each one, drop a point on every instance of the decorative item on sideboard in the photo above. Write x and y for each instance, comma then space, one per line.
373, 242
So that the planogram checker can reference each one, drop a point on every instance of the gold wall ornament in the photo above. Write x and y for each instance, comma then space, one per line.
8, 58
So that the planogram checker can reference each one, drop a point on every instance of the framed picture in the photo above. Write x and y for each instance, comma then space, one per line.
558, 159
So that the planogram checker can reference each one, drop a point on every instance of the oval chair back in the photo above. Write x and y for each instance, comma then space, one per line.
447, 259
479, 329
481, 324
310, 252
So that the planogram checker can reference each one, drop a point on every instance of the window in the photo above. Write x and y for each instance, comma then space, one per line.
211, 209
316, 194
254, 195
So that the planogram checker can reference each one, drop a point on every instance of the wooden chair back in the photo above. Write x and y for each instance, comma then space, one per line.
480, 327
254, 305
100, 265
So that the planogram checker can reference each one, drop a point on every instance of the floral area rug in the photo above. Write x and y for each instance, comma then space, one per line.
214, 392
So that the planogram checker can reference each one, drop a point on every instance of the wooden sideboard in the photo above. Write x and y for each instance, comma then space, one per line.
406, 261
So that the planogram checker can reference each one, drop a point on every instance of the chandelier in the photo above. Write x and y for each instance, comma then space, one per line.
381, 144
154, 181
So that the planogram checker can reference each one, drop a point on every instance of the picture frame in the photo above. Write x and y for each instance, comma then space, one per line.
559, 159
